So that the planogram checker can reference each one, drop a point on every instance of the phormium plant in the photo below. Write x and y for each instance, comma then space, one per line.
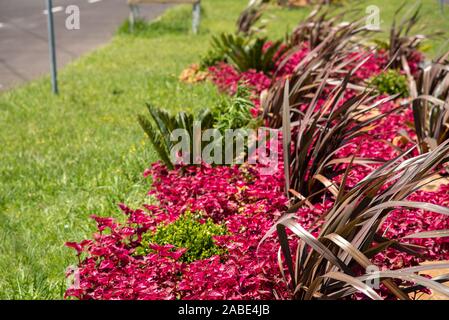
430, 94
334, 264
250, 16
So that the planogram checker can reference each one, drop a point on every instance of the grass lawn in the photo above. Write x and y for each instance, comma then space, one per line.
65, 158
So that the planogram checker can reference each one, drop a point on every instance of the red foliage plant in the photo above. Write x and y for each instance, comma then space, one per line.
248, 204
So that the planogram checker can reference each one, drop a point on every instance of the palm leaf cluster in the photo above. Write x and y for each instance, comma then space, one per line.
233, 114
161, 124
246, 53
328, 266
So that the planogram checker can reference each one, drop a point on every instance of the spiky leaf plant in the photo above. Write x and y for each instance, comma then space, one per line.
313, 136
329, 58
316, 27
313, 133
430, 93
403, 42
247, 53
250, 16
159, 129
232, 113
325, 267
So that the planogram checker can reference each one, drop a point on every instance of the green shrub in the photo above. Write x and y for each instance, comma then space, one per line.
189, 233
235, 113
212, 58
391, 82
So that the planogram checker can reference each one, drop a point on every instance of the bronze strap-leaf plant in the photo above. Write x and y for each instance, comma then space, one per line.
316, 27
430, 103
403, 43
328, 266
250, 16
329, 58
315, 131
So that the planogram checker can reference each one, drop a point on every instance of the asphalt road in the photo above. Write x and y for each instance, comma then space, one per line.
23, 33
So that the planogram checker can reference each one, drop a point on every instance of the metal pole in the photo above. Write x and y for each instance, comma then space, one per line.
196, 17
133, 16
52, 47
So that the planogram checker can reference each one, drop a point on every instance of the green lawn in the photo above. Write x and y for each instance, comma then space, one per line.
65, 158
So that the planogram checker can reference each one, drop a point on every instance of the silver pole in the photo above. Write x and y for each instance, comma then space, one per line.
52, 47
196, 17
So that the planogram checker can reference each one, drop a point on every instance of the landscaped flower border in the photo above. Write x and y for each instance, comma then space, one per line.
247, 204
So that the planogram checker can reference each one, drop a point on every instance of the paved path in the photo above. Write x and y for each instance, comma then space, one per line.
23, 34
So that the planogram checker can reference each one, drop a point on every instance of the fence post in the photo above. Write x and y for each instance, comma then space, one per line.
52, 47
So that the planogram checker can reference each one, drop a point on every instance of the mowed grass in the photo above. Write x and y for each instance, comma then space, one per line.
64, 158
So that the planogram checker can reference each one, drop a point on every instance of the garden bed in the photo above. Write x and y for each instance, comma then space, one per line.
210, 232
81, 153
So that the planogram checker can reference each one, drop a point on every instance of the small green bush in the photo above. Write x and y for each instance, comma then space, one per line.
189, 233
235, 113
212, 58
391, 82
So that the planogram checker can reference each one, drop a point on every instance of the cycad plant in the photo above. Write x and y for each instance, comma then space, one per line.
233, 113
161, 125
328, 266
246, 53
